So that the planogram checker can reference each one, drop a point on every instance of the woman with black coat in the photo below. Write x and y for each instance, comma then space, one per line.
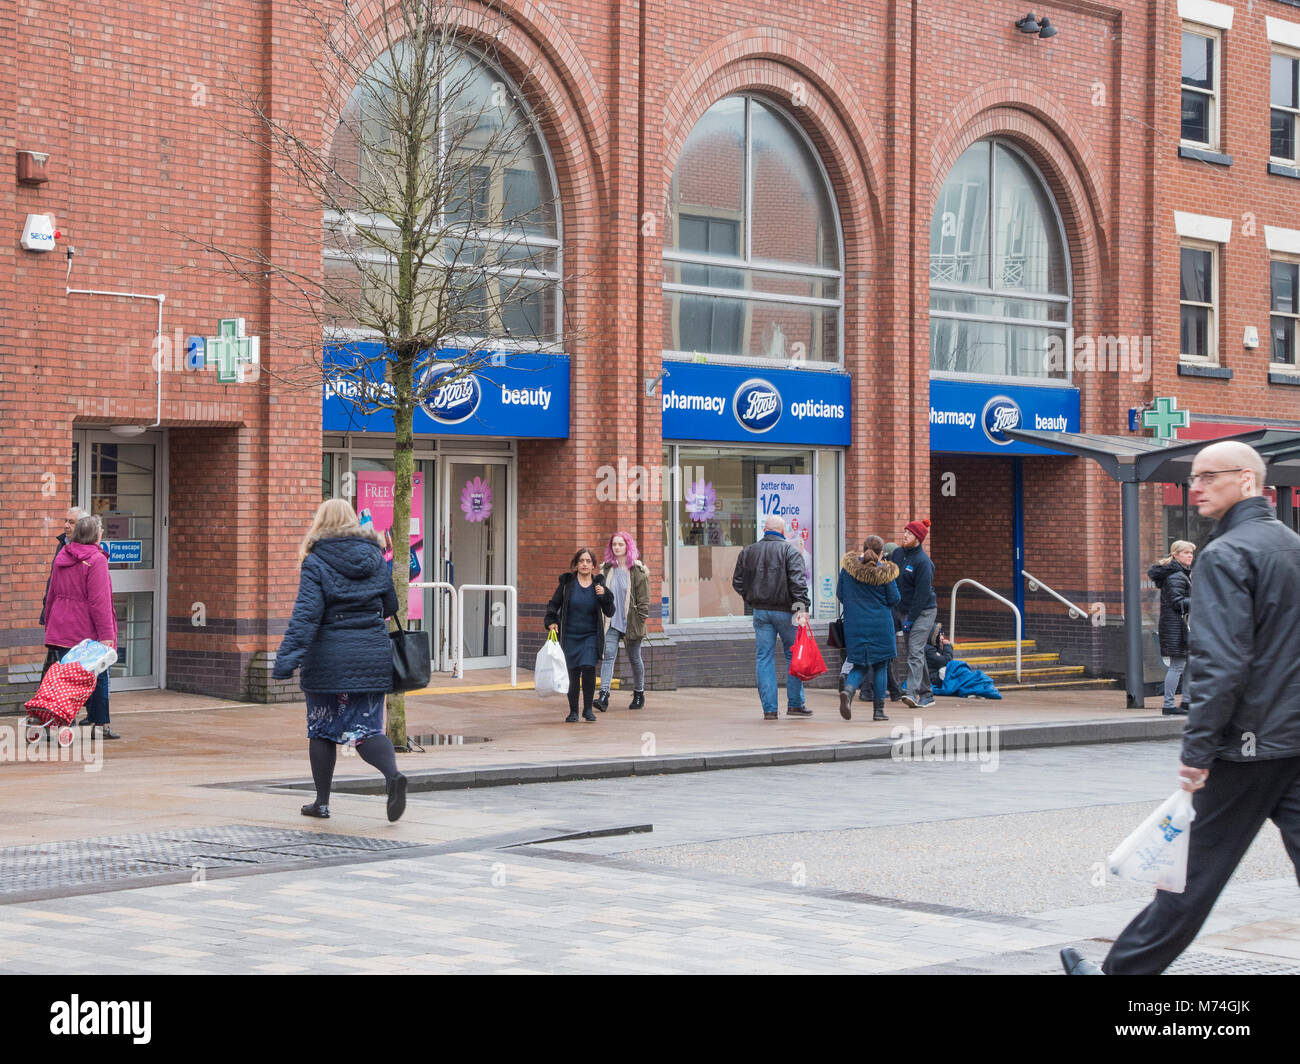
575, 613
1172, 575
339, 637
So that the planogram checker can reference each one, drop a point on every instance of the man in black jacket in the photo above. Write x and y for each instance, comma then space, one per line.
1241, 746
770, 578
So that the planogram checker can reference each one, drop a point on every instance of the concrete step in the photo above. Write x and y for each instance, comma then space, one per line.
980, 661
1005, 644
1037, 675
1094, 682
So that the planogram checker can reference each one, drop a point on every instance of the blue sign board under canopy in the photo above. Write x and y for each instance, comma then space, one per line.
969, 417
747, 404
509, 393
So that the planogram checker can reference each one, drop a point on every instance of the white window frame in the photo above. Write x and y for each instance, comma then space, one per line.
1201, 30
1294, 112
750, 265
1212, 326
340, 222
1292, 368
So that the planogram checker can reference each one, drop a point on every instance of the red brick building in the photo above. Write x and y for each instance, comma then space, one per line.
744, 198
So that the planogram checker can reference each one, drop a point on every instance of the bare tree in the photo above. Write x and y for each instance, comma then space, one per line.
438, 234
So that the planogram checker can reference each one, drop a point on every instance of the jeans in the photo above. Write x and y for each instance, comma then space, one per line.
1172, 678
633, 647
918, 673
768, 625
97, 703
880, 679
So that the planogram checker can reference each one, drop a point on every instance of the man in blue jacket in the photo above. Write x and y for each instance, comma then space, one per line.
918, 609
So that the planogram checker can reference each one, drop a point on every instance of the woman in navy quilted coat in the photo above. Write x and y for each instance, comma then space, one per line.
339, 639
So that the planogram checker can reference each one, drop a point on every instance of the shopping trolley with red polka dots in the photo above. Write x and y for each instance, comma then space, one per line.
65, 688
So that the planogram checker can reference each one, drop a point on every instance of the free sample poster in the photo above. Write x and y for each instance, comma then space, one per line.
375, 501
790, 496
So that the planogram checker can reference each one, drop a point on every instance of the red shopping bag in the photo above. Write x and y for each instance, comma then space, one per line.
806, 660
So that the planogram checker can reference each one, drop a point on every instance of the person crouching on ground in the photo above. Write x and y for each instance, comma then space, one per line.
575, 612
1173, 576
866, 590
79, 605
338, 636
628, 581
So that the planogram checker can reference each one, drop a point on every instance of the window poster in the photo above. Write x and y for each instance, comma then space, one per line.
375, 507
790, 496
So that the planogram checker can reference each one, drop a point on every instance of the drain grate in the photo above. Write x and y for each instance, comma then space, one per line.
1193, 963
57, 866
449, 740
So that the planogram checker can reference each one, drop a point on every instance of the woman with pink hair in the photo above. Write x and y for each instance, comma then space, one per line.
629, 581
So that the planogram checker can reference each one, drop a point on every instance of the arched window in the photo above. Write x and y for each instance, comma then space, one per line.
490, 210
752, 266
999, 270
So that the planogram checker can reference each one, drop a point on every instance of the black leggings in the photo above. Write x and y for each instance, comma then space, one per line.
587, 674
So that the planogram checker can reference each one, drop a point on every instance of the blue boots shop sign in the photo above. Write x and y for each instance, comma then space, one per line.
734, 403
972, 417
514, 394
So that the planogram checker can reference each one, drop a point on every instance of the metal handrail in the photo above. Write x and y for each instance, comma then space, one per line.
450, 589
1076, 612
952, 615
514, 627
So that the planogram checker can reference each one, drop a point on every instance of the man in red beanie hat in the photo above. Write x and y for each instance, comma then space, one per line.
917, 609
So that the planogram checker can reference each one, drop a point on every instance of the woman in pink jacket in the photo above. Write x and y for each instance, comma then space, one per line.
80, 606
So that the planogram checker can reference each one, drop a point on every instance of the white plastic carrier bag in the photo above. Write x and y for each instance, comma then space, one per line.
1156, 852
92, 656
551, 675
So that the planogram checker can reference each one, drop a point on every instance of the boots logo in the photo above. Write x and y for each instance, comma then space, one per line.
757, 405
1000, 412
450, 404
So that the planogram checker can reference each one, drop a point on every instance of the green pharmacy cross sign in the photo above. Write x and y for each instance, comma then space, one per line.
231, 351
1165, 418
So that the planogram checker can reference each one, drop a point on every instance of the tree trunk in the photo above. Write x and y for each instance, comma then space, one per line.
403, 475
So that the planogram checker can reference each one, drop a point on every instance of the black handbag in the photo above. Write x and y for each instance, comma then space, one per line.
412, 659
835, 634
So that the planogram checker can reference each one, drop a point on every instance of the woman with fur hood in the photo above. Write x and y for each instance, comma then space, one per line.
866, 590
628, 580
1172, 575
338, 636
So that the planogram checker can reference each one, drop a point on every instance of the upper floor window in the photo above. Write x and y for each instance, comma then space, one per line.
1284, 279
1200, 120
458, 222
999, 270
1284, 104
1198, 299
752, 264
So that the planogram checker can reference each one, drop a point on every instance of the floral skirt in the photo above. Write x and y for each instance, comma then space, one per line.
347, 717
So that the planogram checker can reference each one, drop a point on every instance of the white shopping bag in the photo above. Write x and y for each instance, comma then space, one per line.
551, 675
1156, 852
92, 656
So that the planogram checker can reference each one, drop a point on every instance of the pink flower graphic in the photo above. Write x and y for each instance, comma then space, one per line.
476, 500
701, 501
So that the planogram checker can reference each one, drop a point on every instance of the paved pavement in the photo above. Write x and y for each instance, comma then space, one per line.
641, 903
